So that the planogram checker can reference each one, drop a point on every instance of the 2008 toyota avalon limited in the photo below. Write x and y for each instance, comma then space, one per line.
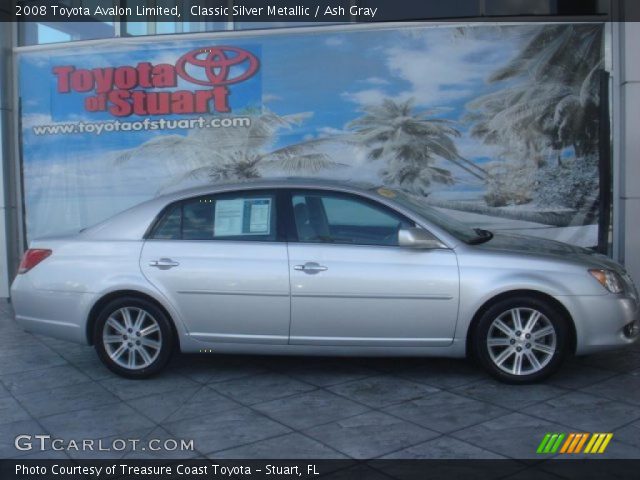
317, 267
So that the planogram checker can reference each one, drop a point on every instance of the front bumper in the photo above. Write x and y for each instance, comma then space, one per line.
603, 322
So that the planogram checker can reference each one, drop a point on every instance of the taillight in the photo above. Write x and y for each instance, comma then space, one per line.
33, 257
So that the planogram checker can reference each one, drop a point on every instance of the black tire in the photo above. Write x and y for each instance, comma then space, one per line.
557, 351
164, 336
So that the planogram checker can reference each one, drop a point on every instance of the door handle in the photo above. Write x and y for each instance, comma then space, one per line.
310, 268
164, 263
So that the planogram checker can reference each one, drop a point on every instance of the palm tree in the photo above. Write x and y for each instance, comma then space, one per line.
409, 142
554, 103
548, 104
238, 153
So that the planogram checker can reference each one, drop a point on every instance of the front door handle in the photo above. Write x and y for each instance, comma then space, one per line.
310, 267
164, 263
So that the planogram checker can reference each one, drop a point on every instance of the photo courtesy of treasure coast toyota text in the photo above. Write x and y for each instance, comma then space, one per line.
319, 239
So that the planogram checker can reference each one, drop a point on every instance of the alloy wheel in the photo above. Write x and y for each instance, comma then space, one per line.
521, 341
132, 338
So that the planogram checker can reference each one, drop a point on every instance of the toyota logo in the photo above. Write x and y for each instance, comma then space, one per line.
217, 63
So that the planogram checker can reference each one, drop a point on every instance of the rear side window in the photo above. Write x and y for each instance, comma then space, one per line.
243, 216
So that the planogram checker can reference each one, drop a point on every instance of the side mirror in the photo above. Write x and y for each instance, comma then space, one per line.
418, 238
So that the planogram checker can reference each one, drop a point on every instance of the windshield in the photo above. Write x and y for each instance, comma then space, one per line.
449, 224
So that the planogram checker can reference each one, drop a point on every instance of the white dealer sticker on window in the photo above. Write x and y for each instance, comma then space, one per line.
228, 218
259, 219
242, 217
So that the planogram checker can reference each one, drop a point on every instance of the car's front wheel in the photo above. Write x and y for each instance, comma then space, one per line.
521, 340
133, 337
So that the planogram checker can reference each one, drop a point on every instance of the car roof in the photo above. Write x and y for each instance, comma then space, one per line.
278, 182
134, 222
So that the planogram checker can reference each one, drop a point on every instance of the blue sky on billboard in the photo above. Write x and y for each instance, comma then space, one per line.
316, 83
330, 75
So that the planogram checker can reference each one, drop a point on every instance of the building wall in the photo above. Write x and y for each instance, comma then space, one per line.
629, 118
7, 202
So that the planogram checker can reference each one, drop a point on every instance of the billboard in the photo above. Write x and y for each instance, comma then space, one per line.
498, 126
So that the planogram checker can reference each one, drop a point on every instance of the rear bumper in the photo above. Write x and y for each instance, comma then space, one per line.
57, 314
603, 322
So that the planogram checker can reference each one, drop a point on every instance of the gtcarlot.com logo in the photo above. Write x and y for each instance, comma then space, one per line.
45, 442
573, 443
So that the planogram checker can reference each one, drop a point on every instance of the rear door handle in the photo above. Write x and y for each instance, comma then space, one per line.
310, 267
164, 263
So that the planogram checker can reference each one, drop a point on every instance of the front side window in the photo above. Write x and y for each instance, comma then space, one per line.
238, 216
326, 217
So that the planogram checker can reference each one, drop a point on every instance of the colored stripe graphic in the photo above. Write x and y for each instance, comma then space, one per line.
543, 443
578, 448
556, 445
605, 443
598, 443
568, 442
552, 442
574, 443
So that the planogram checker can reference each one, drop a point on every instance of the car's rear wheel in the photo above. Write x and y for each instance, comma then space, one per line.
133, 337
521, 340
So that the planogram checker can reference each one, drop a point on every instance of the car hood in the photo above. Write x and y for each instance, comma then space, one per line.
543, 246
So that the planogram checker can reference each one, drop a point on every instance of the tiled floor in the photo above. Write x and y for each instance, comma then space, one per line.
277, 407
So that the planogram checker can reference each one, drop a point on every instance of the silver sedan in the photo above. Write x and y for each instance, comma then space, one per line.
314, 267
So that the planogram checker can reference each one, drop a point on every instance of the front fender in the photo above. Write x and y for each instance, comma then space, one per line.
480, 286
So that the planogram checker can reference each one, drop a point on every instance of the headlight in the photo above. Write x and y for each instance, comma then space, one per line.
609, 280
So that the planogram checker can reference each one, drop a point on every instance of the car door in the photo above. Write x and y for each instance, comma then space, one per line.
222, 262
351, 284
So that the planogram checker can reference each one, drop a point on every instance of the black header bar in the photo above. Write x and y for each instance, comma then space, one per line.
320, 11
